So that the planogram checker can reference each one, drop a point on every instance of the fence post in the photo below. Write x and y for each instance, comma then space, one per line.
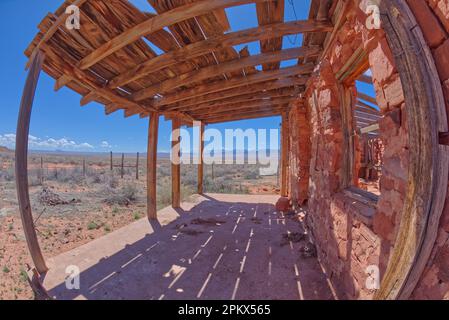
137, 166
213, 177
112, 168
123, 164
84, 168
42, 171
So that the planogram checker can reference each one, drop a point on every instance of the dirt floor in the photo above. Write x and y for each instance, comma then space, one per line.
218, 247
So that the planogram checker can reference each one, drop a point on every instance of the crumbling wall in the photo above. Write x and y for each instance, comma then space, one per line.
353, 234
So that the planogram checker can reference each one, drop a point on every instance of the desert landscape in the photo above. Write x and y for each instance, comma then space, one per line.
77, 198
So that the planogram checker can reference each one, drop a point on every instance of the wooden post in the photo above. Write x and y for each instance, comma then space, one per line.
175, 164
284, 155
122, 172
213, 176
112, 165
42, 171
84, 167
23, 128
152, 165
200, 159
137, 166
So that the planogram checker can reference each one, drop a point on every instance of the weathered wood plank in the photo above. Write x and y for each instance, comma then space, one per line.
200, 158
156, 23
237, 93
225, 67
153, 130
21, 156
235, 82
284, 154
428, 161
267, 13
227, 40
175, 164
55, 27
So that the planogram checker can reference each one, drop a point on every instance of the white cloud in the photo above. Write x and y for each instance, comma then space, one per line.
9, 140
105, 145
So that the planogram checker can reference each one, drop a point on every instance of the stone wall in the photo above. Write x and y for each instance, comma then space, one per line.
350, 232
353, 233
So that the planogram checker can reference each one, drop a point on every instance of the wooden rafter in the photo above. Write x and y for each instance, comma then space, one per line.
284, 92
267, 13
246, 116
234, 93
236, 82
238, 106
216, 70
200, 48
157, 23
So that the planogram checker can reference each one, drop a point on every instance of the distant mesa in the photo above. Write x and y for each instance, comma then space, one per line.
5, 149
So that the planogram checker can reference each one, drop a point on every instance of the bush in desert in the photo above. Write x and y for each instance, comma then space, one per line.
123, 197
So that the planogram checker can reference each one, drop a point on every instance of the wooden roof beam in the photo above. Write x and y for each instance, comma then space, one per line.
285, 92
367, 98
365, 79
75, 74
47, 36
223, 68
212, 44
235, 93
246, 116
232, 108
156, 23
370, 110
267, 13
244, 110
234, 83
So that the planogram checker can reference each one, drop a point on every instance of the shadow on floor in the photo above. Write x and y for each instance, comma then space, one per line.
216, 250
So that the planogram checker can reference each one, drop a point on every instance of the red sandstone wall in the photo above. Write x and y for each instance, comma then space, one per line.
299, 155
350, 235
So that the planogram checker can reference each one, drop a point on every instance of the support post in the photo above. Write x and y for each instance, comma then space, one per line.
137, 166
42, 171
284, 155
152, 165
200, 159
84, 168
176, 164
112, 166
23, 128
122, 171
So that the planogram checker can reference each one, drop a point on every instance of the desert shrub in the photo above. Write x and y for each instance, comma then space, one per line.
113, 182
130, 191
96, 178
251, 175
123, 197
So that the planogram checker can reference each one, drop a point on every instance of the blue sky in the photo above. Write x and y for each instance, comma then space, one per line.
58, 122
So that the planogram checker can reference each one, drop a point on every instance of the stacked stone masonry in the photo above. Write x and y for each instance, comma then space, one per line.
350, 234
